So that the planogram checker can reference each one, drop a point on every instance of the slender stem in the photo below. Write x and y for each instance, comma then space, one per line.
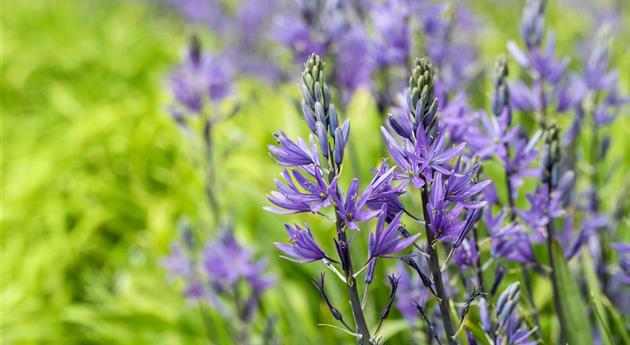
554, 281
603, 242
530, 298
210, 172
208, 325
543, 103
355, 301
480, 280
524, 269
552, 264
434, 265
353, 293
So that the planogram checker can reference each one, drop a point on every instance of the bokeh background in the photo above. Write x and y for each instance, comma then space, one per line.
96, 175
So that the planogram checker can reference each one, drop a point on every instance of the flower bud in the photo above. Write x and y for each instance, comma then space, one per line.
339, 146
533, 23
333, 119
322, 137
319, 284
309, 116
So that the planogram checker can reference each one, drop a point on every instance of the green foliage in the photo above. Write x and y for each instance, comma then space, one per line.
574, 317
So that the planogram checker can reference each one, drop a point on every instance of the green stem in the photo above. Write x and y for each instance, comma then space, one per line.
595, 160
524, 269
480, 280
434, 265
210, 171
353, 292
547, 179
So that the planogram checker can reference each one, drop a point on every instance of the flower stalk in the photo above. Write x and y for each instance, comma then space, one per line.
550, 161
434, 266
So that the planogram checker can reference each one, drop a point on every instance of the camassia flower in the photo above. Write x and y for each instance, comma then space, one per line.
466, 254
351, 209
291, 153
226, 262
423, 158
513, 244
460, 186
308, 197
383, 193
303, 248
444, 220
388, 240
199, 79
225, 265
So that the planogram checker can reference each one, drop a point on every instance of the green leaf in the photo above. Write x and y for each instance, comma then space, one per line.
617, 323
596, 298
393, 327
575, 319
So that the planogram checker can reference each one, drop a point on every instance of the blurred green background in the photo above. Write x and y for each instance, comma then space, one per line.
95, 175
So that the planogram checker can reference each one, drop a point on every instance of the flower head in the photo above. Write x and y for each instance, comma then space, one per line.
466, 254
199, 79
461, 187
291, 153
513, 244
308, 197
444, 220
303, 248
351, 208
226, 262
388, 240
381, 192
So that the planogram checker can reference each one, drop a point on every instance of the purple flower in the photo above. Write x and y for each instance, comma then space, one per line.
433, 156
444, 223
381, 192
303, 248
492, 137
461, 189
386, 241
290, 153
596, 72
542, 62
410, 292
524, 153
401, 120
516, 334
512, 244
178, 264
351, 208
308, 197
571, 93
354, 50
590, 224
533, 23
226, 262
423, 158
410, 171
295, 35
523, 97
449, 43
544, 207
392, 46
623, 250
458, 119
200, 78
466, 254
